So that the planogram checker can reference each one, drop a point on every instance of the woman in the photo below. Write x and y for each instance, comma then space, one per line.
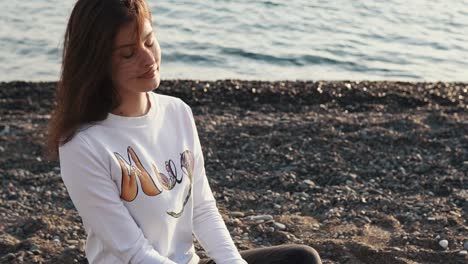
130, 158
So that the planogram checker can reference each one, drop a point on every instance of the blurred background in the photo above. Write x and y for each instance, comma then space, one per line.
420, 40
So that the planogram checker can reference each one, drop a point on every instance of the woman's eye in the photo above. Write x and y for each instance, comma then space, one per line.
150, 44
128, 55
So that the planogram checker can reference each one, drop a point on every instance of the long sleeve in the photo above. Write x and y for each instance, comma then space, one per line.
208, 225
97, 199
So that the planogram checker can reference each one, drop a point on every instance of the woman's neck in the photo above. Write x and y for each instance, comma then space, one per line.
133, 105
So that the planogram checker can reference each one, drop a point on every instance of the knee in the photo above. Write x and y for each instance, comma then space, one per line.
307, 255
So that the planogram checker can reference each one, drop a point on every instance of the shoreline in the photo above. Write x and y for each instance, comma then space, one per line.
365, 172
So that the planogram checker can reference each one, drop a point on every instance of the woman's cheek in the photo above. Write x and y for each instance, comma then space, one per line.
126, 69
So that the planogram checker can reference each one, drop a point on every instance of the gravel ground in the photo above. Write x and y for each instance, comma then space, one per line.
365, 172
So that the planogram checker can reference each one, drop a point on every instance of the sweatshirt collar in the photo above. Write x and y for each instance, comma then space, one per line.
125, 121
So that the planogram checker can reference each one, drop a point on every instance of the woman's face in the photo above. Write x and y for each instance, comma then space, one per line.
136, 61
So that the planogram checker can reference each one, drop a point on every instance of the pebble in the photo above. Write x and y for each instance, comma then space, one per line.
237, 214
237, 222
260, 217
466, 245
33, 247
455, 213
463, 253
72, 242
5, 130
397, 248
310, 183
8, 256
443, 243
82, 244
279, 226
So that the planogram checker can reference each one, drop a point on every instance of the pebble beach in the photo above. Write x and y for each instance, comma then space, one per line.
363, 171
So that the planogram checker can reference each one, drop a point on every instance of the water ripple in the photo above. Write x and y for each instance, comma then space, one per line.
269, 39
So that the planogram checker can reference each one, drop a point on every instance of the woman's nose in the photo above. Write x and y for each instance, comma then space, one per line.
148, 57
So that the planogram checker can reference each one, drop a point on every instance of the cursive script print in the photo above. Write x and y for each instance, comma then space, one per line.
187, 165
133, 169
129, 174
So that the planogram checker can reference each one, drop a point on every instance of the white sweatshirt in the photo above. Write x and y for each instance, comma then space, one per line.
140, 187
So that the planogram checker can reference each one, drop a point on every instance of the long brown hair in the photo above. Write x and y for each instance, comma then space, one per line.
85, 92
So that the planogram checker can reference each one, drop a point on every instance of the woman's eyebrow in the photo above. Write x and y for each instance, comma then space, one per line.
133, 44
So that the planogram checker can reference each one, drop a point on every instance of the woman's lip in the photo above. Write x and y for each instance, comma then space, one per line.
148, 75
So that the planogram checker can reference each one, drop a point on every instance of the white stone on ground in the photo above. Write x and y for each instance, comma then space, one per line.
443, 243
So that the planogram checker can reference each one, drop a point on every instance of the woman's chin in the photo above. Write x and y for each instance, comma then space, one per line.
149, 84
157, 81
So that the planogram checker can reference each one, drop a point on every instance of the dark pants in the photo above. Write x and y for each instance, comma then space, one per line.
284, 254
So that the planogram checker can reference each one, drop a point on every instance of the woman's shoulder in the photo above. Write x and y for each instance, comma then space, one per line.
83, 137
78, 138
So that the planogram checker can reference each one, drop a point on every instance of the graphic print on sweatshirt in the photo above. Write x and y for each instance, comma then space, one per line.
132, 170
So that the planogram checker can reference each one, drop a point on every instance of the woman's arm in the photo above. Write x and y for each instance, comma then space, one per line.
209, 227
97, 199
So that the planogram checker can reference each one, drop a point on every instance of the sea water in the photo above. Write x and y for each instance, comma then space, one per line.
264, 40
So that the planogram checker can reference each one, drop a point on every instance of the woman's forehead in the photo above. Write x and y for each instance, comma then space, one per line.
127, 33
